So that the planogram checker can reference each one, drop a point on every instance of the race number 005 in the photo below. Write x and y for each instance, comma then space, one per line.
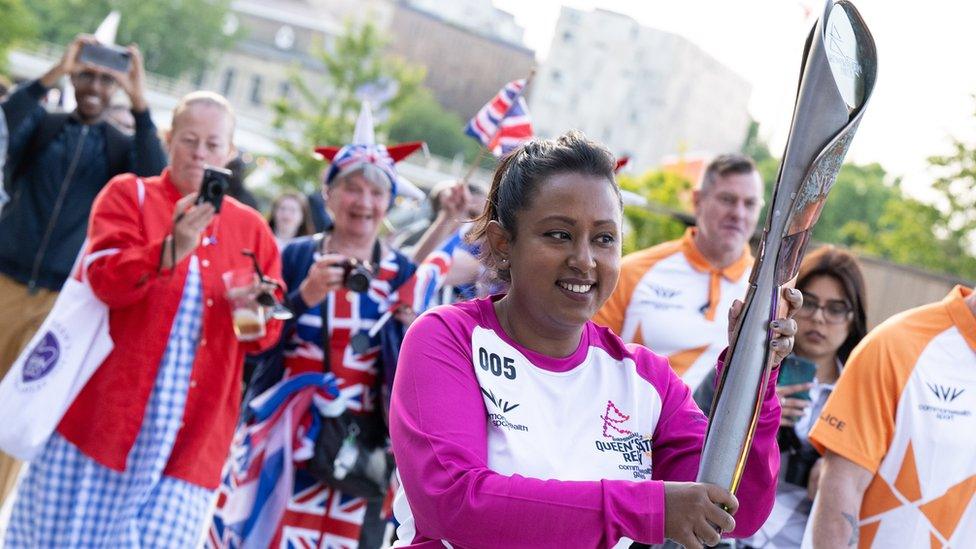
498, 366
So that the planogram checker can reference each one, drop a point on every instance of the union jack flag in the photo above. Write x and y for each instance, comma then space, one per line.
310, 514
319, 516
260, 488
420, 291
503, 123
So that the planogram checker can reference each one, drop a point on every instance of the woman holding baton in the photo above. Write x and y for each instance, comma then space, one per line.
517, 422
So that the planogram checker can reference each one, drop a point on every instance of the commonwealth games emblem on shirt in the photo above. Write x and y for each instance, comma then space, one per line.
634, 449
502, 407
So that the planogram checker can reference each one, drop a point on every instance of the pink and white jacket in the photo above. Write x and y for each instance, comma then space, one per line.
499, 446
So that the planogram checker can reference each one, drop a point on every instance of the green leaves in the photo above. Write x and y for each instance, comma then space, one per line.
177, 37
323, 112
421, 118
869, 212
668, 193
874, 216
17, 24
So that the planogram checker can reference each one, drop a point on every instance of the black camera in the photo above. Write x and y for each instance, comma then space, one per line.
216, 181
356, 275
111, 57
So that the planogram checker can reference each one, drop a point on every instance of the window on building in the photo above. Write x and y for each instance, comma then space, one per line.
284, 89
285, 37
228, 84
199, 78
557, 77
256, 89
567, 36
230, 24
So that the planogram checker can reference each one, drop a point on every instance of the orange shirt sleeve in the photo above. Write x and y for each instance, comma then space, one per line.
614, 310
858, 420
633, 267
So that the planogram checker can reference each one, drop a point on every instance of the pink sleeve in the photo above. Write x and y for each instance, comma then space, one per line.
680, 436
438, 425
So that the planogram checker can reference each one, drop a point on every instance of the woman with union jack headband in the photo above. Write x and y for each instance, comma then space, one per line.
345, 285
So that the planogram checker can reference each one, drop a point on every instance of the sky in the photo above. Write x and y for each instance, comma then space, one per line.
926, 76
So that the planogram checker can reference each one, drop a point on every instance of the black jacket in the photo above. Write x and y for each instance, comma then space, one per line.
53, 181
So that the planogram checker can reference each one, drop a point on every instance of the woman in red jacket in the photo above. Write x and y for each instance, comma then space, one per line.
138, 454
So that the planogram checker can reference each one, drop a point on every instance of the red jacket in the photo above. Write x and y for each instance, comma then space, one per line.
106, 417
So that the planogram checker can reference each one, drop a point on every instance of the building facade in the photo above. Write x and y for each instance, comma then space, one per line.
478, 16
644, 92
464, 67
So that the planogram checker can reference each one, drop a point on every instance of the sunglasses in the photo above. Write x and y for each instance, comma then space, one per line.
267, 299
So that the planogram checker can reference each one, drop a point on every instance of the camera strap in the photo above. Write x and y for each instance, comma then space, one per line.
324, 306
323, 237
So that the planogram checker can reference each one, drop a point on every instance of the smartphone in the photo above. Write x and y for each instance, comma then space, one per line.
796, 370
216, 181
111, 57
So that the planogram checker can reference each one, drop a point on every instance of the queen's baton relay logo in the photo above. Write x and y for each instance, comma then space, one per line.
634, 448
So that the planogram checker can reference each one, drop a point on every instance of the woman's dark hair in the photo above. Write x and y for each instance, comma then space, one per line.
305, 227
517, 179
842, 267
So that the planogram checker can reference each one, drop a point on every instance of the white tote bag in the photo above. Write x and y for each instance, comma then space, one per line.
59, 360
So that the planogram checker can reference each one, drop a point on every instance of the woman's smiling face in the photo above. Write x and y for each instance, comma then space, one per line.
565, 255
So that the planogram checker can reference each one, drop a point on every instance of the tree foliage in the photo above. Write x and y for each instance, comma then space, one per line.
956, 187
423, 119
647, 227
866, 211
177, 37
325, 113
870, 213
16, 25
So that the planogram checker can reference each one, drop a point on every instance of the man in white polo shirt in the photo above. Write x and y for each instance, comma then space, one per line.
675, 297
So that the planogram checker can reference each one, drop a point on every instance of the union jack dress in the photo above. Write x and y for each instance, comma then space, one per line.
317, 515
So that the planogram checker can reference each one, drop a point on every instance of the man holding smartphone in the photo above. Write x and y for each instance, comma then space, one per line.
56, 164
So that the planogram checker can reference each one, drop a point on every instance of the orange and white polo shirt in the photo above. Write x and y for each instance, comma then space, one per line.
905, 409
671, 300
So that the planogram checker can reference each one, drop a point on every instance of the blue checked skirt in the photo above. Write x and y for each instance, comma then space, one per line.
67, 499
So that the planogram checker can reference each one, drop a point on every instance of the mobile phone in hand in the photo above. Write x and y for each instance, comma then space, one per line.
111, 57
794, 371
216, 181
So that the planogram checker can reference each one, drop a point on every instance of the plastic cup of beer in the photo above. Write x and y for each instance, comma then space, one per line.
246, 315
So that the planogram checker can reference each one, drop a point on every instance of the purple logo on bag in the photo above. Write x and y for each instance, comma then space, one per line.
42, 359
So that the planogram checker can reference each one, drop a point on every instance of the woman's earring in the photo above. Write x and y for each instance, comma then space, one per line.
503, 262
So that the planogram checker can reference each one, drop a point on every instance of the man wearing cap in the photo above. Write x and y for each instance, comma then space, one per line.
674, 297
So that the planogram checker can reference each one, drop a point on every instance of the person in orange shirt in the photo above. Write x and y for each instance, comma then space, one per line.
675, 297
897, 434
